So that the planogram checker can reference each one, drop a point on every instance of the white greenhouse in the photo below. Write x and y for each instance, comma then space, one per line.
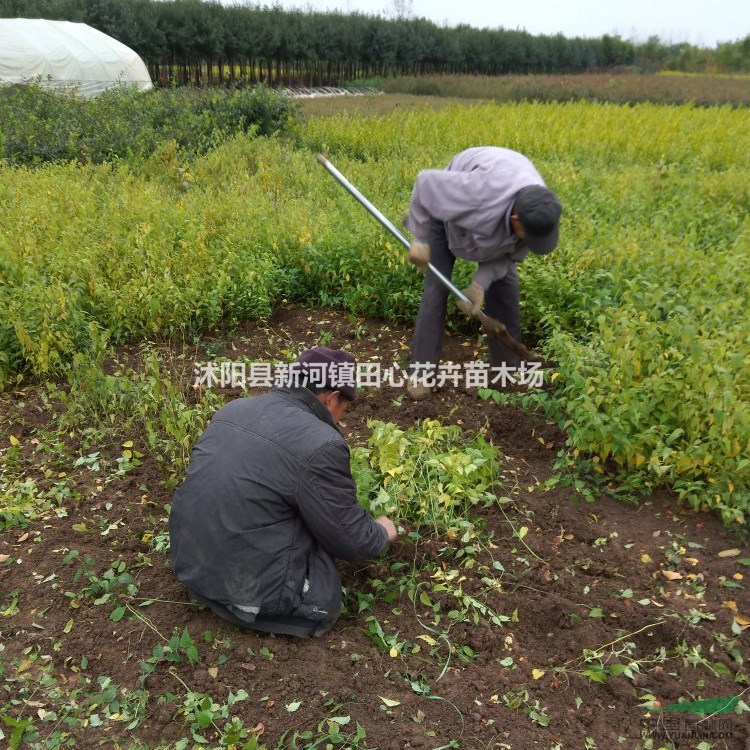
65, 54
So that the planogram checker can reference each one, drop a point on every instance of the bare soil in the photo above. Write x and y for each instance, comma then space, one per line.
572, 586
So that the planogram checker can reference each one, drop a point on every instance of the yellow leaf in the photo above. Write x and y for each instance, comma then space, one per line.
428, 639
537, 674
14, 440
671, 575
68, 626
127, 444
523, 531
729, 552
738, 576
645, 558
731, 604
393, 652
743, 622
24, 665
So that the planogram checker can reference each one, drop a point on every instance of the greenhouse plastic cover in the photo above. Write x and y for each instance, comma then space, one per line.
65, 54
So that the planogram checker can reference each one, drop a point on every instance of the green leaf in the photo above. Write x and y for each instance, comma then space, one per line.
293, 706
118, 614
389, 702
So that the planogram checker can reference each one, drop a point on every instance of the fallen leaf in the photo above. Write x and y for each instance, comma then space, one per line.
645, 558
3, 558
671, 575
258, 729
213, 672
743, 622
248, 667
731, 604
23, 537
389, 702
729, 552
537, 674
293, 706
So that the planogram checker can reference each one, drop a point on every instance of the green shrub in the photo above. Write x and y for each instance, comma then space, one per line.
40, 126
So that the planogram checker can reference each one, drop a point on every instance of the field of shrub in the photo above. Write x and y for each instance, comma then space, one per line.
524, 605
642, 307
615, 88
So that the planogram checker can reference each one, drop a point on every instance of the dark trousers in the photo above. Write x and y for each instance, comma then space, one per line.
285, 625
502, 302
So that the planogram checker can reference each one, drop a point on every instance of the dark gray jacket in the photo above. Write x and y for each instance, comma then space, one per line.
267, 504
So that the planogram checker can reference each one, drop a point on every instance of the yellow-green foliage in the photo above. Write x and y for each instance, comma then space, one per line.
644, 303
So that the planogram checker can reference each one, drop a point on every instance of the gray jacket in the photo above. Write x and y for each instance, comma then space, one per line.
474, 196
268, 503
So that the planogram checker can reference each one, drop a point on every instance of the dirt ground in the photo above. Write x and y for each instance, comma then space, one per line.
648, 586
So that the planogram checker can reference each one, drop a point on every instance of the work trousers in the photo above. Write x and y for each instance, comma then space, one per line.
502, 302
281, 624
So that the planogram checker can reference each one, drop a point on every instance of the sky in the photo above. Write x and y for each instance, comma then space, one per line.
700, 22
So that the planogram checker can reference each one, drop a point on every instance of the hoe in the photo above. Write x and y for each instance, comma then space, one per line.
491, 326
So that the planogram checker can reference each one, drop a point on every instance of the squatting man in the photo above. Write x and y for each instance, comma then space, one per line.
490, 206
269, 503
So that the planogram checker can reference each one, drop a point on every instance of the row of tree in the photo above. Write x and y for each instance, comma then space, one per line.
197, 42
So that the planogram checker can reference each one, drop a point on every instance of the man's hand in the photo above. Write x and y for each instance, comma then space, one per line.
419, 254
475, 293
387, 524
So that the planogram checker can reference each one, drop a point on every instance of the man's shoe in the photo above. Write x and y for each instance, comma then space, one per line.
418, 392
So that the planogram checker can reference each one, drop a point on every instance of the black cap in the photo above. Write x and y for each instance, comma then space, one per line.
329, 360
539, 212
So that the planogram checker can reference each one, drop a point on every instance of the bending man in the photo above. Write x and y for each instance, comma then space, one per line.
490, 206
